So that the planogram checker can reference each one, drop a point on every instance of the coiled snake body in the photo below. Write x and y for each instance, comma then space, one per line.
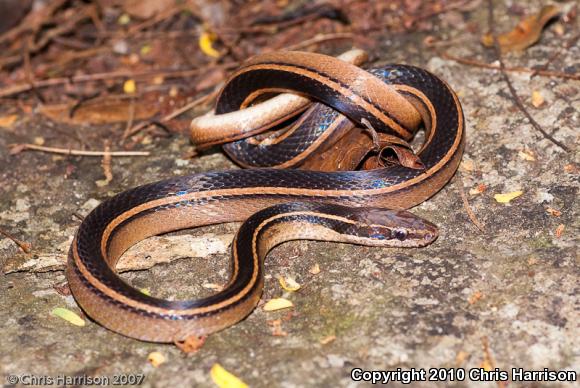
336, 206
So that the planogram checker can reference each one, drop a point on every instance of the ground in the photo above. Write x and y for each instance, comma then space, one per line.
505, 297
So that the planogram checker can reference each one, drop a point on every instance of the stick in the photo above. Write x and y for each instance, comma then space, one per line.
518, 102
544, 73
24, 87
16, 148
468, 210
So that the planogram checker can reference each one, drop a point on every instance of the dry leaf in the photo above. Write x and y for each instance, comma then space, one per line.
206, 40
480, 188
69, 316
224, 379
288, 284
124, 19
461, 357
129, 86
526, 33
277, 330
100, 111
467, 165
144, 9
527, 155
277, 304
533, 260
537, 99
559, 29
7, 121
191, 344
315, 269
571, 168
487, 362
156, 359
327, 339
553, 212
507, 197
559, 230
477, 295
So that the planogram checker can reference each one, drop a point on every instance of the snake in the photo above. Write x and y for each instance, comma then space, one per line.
365, 207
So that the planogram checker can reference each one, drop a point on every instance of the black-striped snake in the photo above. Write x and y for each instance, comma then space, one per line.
278, 204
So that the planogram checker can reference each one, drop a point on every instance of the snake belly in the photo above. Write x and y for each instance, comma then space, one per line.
216, 197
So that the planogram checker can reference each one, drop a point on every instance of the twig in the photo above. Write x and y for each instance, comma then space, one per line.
131, 118
164, 15
319, 39
16, 148
25, 246
544, 73
511, 88
436, 12
468, 210
24, 87
61, 28
571, 42
106, 162
33, 21
139, 127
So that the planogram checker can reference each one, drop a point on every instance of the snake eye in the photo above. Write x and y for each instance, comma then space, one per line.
400, 234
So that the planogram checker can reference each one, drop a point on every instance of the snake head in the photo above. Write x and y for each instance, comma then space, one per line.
393, 228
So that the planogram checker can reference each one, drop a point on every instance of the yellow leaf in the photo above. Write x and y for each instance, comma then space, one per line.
507, 197
537, 99
7, 121
145, 291
156, 359
288, 284
129, 86
277, 304
486, 365
206, 40
527, 155
69, 316
146, 49
315, 269
124, 19
225, 379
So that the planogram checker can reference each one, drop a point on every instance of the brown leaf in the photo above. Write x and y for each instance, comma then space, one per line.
553, 212
559, 230
191, 344
526, 33
477, 295
100, 111
144, 9
7, 121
